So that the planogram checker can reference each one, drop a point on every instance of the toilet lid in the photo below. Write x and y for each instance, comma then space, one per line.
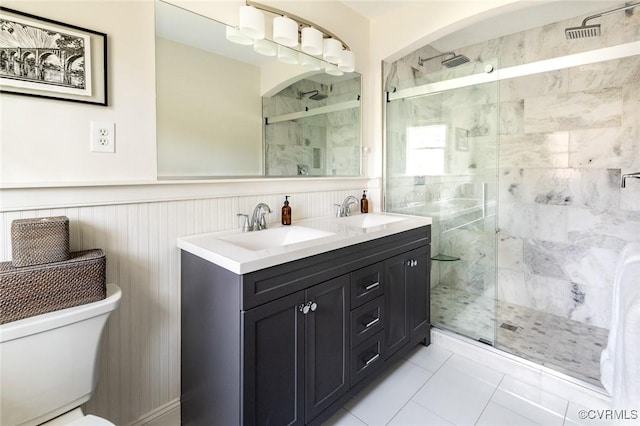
91, 421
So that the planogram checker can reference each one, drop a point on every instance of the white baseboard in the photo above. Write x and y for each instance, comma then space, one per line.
166, 415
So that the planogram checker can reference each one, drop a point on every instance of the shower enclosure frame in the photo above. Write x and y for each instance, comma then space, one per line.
594, 56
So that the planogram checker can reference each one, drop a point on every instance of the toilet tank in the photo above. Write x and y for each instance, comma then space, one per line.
49, 362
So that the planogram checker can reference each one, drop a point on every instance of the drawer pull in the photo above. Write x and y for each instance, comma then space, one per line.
372, 286
372, 322
370, 360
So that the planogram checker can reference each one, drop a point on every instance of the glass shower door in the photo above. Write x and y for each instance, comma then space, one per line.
441, 161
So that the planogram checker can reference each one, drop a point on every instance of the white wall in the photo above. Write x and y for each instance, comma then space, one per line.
45, 140
54, 147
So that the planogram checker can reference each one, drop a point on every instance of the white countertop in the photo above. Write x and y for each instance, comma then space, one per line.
214, 248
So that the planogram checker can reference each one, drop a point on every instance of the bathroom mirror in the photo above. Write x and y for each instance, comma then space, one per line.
225, 111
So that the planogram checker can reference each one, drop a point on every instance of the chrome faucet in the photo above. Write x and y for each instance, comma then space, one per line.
629, 175
344, 209
257, 221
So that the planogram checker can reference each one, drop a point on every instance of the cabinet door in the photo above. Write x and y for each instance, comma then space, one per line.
327, 344
406, 298
396, 302
273, 379
418, 280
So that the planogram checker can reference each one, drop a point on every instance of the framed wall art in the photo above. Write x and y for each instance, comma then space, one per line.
49, 59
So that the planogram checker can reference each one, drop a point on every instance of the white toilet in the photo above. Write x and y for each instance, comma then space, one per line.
49, 364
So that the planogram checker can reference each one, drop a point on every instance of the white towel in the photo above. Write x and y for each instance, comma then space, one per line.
620, 361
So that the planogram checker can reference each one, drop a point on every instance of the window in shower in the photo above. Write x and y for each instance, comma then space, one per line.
425, 149
441, 154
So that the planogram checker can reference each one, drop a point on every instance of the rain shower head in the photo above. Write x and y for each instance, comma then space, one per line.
585, 31
454, 61
316, 96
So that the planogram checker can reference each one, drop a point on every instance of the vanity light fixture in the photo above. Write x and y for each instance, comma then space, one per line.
251, 22
288, 30
347, 61
331, 50
311, 41
285, 31
333, 70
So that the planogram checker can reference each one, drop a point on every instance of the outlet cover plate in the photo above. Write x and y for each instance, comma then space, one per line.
103, 136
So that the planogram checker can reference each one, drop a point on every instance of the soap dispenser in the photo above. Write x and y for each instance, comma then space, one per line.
364, 203
286, 211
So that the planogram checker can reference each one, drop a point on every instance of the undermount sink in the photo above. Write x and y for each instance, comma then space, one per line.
369, 220
275, 237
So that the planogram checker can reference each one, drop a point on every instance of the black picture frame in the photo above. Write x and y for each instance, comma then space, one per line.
44, 58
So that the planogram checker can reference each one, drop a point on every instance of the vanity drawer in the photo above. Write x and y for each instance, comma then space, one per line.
367, 320
367, 357
366, 284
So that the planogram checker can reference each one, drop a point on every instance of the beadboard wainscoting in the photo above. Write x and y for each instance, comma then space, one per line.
140, 356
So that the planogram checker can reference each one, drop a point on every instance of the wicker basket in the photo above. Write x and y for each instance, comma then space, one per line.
40, 240
35, 290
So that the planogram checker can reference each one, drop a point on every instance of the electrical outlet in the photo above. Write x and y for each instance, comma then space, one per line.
103, 136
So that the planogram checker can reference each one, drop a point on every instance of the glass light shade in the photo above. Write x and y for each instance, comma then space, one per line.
310, 62
251, 22
311, 41
265, 47
237, 37
332, 50
347, 62
285, 31
333, 70
287, 56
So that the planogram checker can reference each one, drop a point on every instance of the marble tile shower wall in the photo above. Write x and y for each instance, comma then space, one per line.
565, 138
327, 144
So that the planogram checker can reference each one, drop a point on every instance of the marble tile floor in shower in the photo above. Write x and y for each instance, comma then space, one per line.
564, 345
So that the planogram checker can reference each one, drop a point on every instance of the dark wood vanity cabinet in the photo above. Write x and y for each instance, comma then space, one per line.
308, 328
290, 344
407, 316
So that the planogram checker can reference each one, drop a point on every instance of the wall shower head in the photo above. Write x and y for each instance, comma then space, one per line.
455, 61
582, 31
316, 96
449, 63
585, 31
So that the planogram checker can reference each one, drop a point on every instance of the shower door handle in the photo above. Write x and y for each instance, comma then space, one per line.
484, 199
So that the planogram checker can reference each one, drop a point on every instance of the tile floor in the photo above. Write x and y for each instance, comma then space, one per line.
567, 346
435, 386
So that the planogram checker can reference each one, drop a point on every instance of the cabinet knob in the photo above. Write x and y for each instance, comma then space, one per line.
310, 306
412, 263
